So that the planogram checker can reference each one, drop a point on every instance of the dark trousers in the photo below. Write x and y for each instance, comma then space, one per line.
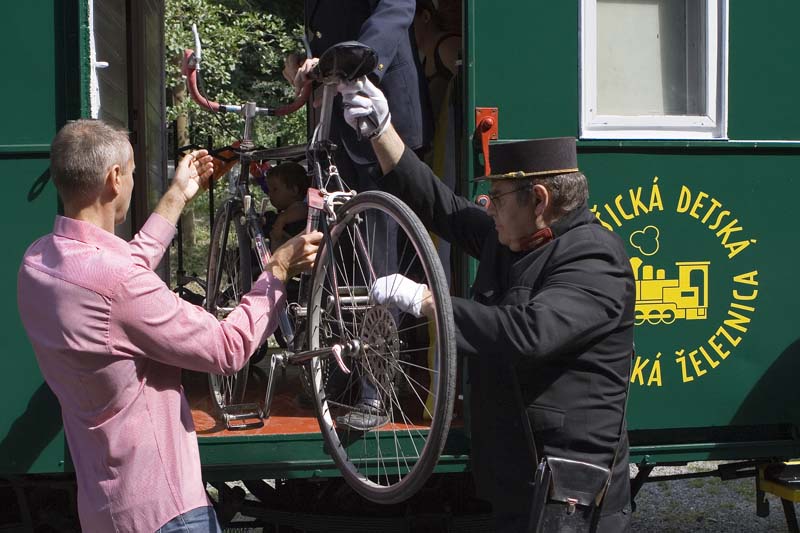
380, 232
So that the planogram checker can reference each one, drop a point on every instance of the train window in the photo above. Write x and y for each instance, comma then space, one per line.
654, 69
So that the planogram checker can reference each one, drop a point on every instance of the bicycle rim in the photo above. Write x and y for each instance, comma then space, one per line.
229, 278
409, 362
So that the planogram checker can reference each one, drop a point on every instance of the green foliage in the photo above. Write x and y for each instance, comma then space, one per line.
244, 47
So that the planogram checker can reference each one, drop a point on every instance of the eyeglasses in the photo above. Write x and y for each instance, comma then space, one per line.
493, 197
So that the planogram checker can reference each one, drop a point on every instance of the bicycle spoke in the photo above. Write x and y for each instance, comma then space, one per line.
396, 355
229, 278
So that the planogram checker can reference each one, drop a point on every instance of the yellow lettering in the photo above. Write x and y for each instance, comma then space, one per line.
655, 196
714, 205
685, 199
698, 203
724, 332
655, 372
614, 216
722, 215
638, 370
696, 364
682, 361
747, 279
752, 296
636, 201
725, 232
618, 203
736, 321
718, 347
711, 362
602, 222
736, 247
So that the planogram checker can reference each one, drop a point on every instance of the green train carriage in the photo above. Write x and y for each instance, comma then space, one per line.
687, 125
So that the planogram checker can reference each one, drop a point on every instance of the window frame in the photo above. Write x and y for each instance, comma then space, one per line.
712, 125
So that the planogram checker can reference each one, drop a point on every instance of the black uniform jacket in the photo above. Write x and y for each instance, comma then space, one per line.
386, 26
557, 320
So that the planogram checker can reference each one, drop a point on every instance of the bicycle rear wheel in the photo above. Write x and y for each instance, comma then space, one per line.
230, 276
410, 362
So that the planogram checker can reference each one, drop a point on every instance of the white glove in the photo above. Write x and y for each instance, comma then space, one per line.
399, 291
365, 107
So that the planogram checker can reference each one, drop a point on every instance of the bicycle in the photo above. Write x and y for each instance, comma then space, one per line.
334, 330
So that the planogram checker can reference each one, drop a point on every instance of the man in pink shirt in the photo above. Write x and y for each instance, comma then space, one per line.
110, 337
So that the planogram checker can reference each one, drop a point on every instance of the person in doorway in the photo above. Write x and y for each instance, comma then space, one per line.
387, 27
437, 33
549, 327
111, 338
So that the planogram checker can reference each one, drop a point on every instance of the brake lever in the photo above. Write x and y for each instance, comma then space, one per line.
372, 119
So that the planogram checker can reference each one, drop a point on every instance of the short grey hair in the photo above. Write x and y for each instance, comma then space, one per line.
567, 191
81, 154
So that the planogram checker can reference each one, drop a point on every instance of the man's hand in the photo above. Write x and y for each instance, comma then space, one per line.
297, 255
192, 174
408, 296
302, 74
365, 107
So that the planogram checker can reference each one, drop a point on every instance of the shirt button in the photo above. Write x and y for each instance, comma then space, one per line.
380, 66
318, 34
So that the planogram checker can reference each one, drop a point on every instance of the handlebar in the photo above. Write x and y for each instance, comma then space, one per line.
189, 69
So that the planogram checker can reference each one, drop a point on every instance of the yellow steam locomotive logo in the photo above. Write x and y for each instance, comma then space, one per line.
663, 301
660, 300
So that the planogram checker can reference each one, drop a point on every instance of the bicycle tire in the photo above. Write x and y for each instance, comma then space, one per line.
230, 276
365, 466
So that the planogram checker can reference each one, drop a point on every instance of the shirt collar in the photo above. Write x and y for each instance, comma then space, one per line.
86, 232
573, 219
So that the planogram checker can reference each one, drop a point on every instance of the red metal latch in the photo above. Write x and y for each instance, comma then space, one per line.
486, 127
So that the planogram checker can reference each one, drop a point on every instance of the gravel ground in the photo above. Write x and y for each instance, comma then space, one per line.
702, 504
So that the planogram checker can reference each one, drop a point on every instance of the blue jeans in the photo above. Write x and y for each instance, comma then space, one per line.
200, 520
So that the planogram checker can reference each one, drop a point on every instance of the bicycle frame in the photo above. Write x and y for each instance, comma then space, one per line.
320, 155
336, 319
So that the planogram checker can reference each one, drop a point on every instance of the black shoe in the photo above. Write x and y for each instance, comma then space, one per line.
334, 391
364, 416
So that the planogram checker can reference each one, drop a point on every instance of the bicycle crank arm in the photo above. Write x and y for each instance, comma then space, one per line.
337, 351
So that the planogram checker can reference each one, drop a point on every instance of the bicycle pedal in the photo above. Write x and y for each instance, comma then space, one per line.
243, 416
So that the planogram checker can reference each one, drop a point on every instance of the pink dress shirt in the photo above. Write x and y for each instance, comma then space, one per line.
110, 339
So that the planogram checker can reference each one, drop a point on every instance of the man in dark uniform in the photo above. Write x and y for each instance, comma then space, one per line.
549, 327
385, 26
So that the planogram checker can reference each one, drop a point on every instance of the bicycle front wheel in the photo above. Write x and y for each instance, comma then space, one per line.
402, 368
230, 276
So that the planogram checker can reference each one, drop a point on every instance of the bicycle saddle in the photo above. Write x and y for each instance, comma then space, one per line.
347, 61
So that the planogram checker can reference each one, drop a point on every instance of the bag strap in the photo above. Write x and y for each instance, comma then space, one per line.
602, 495
526, 424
